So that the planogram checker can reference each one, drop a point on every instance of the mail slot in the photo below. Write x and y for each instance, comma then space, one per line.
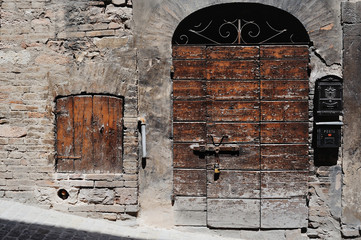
329, 97
329, 134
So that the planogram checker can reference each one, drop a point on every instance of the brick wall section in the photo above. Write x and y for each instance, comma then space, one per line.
58, 48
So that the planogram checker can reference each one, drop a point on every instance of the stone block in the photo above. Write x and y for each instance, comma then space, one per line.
190, 218
103, 177
12, 131
110, 216
295, 235
111, 42
126, 196
82, 208
131, 184
190, 204
130, 177
351, 12
109, 208
350, 232
118, 2
76, 183
100, 33
97, 196
108, 184
131, 208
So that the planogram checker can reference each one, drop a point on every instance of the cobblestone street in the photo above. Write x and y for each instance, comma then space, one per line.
23, 222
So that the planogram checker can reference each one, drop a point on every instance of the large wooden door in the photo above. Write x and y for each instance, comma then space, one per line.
251, 104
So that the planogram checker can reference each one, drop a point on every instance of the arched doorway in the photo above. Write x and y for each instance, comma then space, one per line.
240, 117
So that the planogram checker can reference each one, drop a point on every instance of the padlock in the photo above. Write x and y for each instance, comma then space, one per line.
216, 168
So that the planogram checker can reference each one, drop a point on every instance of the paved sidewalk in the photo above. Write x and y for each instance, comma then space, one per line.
20, 221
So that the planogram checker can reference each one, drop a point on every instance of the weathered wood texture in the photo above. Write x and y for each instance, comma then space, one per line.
286, 132
232, 90
189, 52
284, 52
232, 52
284, 157
190, 182
284, 213
284, 69
247, 158
284, 184
189, 69
231, 111
185, 157
184, 89
64, 134
189, 110
234, 184
233, 213
258, 98
89, 134
190, 211
189, 132
284, 90
284, 111
230, 69
236, 132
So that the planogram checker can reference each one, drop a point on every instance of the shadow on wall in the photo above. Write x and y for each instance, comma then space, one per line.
21, 230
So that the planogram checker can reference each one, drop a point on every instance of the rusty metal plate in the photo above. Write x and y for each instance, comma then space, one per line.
236, 132
284, 90
233, 111
189, 69
233, 184
233, 213
232, 52
189, 132
248, 158
284, 157
284, 213
284, 111
284, 69
185, 157
233, 90
187, 89
189, 52
189, 110
189, 182
245, 69
283, 184
284, 52
284, 132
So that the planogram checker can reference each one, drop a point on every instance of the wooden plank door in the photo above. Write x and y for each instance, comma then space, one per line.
284, 136
233, 197
254, 97
89, 134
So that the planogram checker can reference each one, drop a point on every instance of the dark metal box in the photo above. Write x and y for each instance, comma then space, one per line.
329, 134
329, 98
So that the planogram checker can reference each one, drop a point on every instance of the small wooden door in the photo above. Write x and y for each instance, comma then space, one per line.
89, 135
256, 99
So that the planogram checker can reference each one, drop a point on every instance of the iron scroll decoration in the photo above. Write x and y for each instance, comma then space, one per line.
240, 24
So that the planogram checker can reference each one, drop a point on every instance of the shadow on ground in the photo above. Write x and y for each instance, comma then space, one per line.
11, 230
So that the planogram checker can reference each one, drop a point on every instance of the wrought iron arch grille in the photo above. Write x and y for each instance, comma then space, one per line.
240, 24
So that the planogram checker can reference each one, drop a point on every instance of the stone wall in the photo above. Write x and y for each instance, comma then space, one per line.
59, 48
155, 23
123, 48
351, 195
